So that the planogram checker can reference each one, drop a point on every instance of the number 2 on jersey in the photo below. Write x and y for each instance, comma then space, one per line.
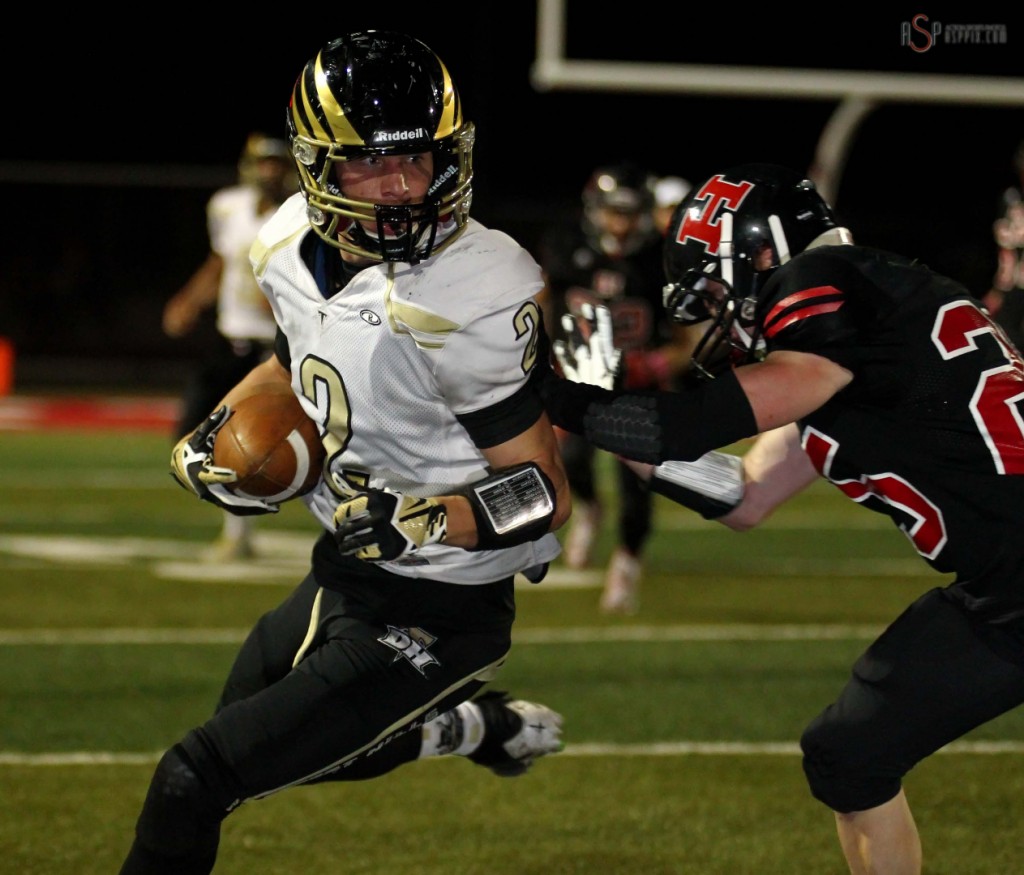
1000, 390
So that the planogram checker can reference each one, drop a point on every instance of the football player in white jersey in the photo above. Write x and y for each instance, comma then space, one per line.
409, 332
245, 321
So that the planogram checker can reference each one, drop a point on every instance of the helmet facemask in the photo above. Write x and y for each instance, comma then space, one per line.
731, 337
404, 232
722, 291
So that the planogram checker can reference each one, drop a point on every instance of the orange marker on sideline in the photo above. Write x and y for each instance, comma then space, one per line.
6, 366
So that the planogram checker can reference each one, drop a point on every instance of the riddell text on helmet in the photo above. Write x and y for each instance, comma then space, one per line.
388, 136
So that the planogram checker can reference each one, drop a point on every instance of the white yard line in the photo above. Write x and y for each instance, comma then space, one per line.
540, 635
284, 559
569, 635
655, 749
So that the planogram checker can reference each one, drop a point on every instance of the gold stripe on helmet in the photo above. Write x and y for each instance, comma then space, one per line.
451, 118
341, 129
303, 116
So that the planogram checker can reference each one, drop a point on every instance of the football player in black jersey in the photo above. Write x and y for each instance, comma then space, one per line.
866, 368
612, 257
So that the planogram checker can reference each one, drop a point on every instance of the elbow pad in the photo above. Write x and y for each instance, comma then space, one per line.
655, 427
512, 506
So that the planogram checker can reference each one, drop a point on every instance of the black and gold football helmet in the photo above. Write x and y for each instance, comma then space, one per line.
381, 93
725, 241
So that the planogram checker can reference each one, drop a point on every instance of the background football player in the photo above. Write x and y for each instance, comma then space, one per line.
867, 369
442, 482
1005, 300
612, 256
245, 322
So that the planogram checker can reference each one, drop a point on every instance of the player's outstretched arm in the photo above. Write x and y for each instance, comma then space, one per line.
775, 468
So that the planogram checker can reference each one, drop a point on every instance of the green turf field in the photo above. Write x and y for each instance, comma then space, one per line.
681, 722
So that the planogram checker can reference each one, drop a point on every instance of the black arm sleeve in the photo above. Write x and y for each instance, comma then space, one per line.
506, 419
654, 426
281, 349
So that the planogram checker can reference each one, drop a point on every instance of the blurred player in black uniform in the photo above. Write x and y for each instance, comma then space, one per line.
865, 368
612, 256
1005, 300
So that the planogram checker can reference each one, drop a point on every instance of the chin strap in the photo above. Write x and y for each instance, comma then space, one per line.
832, 237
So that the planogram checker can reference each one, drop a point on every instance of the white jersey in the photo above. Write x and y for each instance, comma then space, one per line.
232, 222
385, 365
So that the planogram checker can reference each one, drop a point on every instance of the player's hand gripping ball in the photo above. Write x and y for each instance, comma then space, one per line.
271, 445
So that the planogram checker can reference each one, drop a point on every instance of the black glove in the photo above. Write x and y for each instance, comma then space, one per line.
192, 466
378, 525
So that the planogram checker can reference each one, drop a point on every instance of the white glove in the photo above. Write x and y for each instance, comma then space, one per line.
588, 353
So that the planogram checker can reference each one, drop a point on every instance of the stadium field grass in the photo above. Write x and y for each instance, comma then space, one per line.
681, 722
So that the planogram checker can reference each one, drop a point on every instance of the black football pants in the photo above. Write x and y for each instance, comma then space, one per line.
330, 684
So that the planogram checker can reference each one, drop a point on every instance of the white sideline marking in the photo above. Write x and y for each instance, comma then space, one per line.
656, 749
9, 637
763, 748
540, 635
283, 558
730, 632
144, 479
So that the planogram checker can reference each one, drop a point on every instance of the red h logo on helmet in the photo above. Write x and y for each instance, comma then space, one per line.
701, 221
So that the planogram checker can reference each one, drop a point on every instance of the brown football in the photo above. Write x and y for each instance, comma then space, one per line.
271, 444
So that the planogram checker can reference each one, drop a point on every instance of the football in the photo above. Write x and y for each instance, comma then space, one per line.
271, 444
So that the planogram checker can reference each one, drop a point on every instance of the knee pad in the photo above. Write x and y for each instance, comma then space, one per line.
926, 681
178, 818
842, 769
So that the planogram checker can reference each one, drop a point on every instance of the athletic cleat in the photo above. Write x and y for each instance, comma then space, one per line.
515, 733
585, 527
621, 593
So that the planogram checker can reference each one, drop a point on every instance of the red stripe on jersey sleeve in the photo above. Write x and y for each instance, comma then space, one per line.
802, 313
797, 299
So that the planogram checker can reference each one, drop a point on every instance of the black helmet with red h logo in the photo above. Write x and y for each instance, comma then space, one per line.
724, 242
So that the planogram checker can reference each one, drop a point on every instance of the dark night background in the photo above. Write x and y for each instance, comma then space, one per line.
115, 140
